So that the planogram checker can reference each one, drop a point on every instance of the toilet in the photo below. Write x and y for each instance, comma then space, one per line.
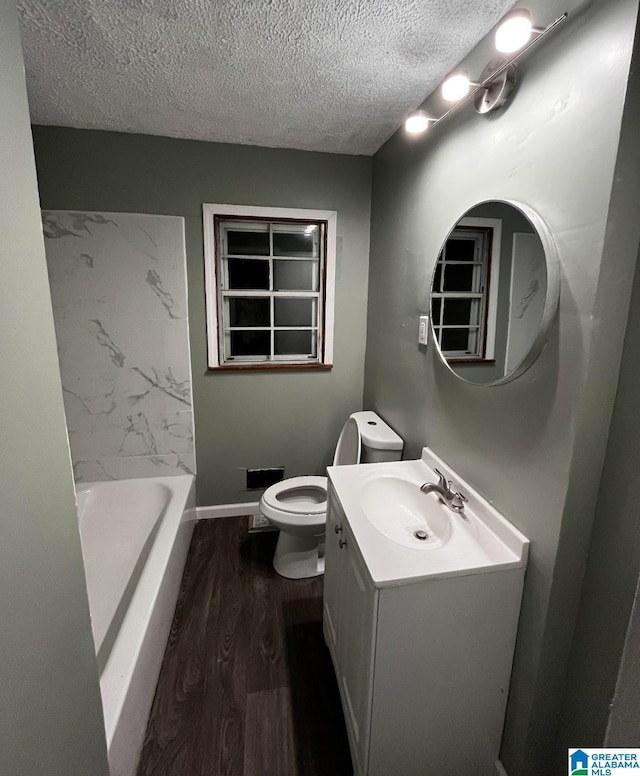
298, 506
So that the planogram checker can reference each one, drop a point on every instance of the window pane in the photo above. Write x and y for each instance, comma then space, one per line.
435, 310
295, 275
289, 242
437, 278
250, 343
272, 275
476, 316
457, 312
245, 243
294, 312
460, 249
293, 342
455, 339
459, 277
248, 312
248, 273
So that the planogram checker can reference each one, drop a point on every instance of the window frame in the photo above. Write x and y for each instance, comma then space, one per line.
213, 285
490, 296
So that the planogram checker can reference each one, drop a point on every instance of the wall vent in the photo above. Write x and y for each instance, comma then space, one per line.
259, 479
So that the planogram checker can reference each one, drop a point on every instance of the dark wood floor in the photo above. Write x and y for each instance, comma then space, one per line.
246, 687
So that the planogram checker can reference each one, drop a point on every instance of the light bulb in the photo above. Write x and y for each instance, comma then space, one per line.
455, 87
417, 122
514, 31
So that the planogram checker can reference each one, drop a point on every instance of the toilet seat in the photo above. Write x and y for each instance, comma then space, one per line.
297, 497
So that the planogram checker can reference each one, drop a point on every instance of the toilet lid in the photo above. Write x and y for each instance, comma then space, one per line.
349, 447
298, 495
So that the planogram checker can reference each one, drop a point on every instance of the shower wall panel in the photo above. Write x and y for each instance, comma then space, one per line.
118, 287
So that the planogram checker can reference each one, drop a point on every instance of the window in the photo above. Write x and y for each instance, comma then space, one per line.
464, 293
269, 287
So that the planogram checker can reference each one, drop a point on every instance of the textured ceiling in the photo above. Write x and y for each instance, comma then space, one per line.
321, 75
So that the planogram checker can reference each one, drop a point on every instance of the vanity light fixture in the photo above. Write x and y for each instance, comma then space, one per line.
417, 122
514, 35
456, 86
515, 31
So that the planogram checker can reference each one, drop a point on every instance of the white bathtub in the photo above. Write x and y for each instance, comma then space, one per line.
135, 536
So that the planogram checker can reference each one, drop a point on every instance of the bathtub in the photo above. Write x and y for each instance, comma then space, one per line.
135, 536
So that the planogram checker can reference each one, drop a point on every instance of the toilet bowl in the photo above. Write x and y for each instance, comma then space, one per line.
298, 506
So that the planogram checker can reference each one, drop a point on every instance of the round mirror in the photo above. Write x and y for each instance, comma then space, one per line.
494, 292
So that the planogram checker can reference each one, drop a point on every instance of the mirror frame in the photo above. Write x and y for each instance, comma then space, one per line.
551, 303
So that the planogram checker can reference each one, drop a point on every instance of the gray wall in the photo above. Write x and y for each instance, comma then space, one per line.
242, 420
50, 712
623, 727
614, 562
614, 558
535, 446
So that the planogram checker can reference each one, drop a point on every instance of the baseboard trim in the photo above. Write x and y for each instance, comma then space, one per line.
227, 510
500, 771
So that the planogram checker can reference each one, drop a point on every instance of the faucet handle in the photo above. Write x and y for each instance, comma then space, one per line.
444, 484
442, 480
458, 500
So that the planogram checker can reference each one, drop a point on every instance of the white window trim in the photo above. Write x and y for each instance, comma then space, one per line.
209, 212
494, 278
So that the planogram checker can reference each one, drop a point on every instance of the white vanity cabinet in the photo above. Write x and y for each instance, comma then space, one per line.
350, 613
422, 666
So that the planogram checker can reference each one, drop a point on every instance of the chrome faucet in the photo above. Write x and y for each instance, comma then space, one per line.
454, 500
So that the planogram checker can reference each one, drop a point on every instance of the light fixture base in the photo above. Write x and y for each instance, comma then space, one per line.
497, 92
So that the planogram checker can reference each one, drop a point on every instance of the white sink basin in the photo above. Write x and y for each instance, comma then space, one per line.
400, 511
384, 507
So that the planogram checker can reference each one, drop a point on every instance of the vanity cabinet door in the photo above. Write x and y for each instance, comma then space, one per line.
356, 634
350, 612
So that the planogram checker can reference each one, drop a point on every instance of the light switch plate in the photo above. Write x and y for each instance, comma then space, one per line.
423, 330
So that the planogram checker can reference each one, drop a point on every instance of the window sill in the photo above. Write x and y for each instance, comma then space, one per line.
267, 367
487, 361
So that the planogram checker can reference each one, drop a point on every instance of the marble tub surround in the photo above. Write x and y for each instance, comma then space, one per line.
118, 287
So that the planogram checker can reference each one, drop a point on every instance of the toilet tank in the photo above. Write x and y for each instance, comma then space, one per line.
366, 438
379, 442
